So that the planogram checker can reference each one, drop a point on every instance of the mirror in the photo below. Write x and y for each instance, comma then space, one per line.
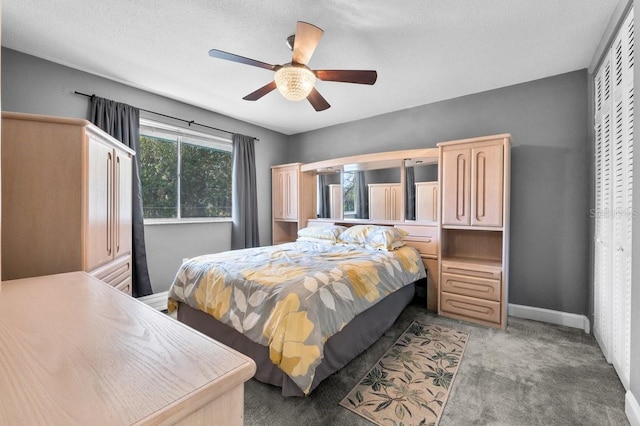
367, 194
329, 195
421, 192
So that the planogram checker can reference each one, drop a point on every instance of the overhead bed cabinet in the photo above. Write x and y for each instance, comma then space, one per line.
474, 236
292, 201
385, 201
66, 200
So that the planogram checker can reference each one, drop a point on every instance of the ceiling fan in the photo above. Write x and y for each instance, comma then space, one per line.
296, 80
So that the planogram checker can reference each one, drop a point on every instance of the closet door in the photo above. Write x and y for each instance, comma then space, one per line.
602, 260
613, 201
622, 138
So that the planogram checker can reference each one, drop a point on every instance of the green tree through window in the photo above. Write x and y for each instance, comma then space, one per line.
184, 176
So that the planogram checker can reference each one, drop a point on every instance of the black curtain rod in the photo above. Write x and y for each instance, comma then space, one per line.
189, 122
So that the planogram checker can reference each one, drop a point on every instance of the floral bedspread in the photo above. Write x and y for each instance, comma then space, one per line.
293, 297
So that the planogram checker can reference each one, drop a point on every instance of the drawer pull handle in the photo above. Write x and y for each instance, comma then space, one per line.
472, 287
475, 308
472, 271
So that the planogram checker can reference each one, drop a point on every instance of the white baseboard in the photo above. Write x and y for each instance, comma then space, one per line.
156, 301
632, 409
552, 317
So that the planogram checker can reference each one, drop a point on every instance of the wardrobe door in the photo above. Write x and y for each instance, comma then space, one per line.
379, 201
100, 211
455, 187
278, 194
291, 193
487, 168
123, 221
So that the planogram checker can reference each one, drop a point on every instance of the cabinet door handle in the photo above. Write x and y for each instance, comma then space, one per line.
470, 271
481, 164
460, 190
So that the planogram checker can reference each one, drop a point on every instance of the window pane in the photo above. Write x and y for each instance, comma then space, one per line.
159, 177
205, 186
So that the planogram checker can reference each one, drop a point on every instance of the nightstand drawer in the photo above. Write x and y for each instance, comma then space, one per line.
472, 269
425, 246
419, 231
486, 310
472, 286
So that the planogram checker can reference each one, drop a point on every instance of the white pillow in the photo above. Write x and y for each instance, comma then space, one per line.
329, 232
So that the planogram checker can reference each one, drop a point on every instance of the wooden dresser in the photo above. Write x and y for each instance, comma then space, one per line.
66, 199
75, 351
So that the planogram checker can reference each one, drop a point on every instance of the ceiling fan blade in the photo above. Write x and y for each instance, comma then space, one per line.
307, 38
215, 53
254, 96
348, 76
317, 101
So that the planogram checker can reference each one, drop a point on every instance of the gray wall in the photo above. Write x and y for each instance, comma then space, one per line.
547, 119
33, 85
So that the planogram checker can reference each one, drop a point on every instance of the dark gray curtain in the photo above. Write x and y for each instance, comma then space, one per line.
362, 196
324, 210
410, 194
123, 123
244, 233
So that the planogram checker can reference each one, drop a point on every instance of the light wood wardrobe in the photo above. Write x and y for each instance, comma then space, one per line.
66, 200
474, 230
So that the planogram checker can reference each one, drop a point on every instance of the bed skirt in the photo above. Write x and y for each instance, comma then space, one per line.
365, 329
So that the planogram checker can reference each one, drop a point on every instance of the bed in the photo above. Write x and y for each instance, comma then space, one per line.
301, 310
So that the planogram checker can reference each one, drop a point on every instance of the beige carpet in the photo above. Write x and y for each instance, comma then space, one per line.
410, 384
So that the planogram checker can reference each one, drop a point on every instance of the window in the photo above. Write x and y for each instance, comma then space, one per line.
184, 174
349, 185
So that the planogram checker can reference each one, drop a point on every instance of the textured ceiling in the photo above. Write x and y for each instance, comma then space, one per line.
424, 50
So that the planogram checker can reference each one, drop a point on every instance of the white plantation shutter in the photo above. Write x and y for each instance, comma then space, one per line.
613, 86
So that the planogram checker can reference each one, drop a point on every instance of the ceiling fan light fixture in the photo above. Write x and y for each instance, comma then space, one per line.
295, 82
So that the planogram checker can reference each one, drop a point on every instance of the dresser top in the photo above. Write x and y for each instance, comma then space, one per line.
74, 350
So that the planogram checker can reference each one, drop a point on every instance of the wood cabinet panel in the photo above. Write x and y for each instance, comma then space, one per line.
427, 202
471, 286
100, 160
426, 246
476, 268
433, 282
456, 182
114, 273
471, 307
384, 201
285, 194
124, 205
487, 167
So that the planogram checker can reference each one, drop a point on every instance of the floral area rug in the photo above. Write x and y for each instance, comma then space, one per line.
410, 384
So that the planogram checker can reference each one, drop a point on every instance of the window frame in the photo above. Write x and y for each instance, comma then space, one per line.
181, 135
